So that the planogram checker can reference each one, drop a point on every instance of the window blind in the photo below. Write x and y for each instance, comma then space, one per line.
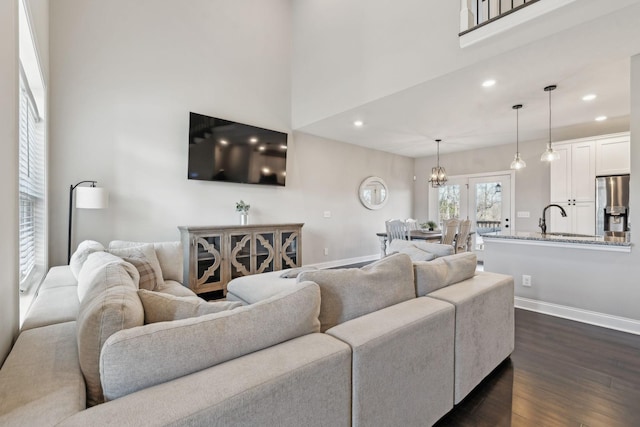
30, 185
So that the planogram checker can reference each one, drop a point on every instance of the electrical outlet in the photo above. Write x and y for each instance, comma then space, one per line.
526, 280
326, 251
327, 214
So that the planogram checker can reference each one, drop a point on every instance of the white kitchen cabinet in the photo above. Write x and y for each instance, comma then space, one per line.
573, 175
613, 155
573, 187
580, 218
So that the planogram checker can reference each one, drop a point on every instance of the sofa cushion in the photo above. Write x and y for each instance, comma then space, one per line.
134, 359
59, 276
351, 292
257, 287
175, 288
169, 256
40, 381
51, 306
142, 257
159, 307
110, 305
435, 248
84, 249
433, 275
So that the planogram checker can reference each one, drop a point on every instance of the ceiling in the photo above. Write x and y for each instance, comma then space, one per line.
593, 57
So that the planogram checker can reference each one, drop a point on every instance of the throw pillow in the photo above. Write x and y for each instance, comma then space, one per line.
142, 255
205, 341
445, 271
83, 251
159, 307
169, 255
351, 292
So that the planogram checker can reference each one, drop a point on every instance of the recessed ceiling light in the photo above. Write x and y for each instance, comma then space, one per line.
253, 140
358, 123
589, 97
601, 118
488, 83
223, 142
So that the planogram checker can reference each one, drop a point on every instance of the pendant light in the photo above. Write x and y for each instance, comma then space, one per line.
517, 163
438, 174
549, 154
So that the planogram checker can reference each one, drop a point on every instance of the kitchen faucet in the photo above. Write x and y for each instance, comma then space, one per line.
542, 222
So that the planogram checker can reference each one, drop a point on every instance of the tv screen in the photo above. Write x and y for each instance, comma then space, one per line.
222, 150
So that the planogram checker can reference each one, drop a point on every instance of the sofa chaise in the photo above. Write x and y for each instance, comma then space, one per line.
114, 338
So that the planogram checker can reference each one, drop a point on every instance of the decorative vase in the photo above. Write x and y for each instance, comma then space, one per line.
244, 218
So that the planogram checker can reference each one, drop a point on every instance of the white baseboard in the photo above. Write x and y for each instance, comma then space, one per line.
346, 261
585, 316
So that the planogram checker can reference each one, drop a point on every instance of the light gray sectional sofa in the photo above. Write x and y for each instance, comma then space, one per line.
115, 339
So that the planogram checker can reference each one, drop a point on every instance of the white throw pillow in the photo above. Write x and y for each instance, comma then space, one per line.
159, 307
142, 252
84, 249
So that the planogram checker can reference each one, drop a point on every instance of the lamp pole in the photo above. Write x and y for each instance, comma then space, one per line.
71, 189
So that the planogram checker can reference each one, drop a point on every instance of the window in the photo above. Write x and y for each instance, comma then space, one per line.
30, 186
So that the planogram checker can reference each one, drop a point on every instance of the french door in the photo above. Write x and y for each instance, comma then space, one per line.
485, 199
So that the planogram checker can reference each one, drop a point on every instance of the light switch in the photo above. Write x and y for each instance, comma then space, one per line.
327, 214
523, 214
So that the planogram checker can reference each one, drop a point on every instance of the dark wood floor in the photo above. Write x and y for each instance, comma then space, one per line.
562, 373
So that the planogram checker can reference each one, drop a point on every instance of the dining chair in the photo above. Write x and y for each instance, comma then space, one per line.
396, 229
450, 231
411, 225
463, 235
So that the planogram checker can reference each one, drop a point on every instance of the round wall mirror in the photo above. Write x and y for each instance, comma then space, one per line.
373, 193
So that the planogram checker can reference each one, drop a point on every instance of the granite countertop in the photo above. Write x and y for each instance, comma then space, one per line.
556, 237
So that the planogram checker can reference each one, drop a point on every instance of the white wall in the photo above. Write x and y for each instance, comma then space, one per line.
350, 53
584, 284
8, 175
531, 183
119, 115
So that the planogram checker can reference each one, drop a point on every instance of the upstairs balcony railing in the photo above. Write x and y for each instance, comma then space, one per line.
477, 13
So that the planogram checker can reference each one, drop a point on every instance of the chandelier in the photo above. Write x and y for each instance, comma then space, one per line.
438, 174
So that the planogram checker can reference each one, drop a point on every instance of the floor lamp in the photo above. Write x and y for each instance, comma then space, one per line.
86, 198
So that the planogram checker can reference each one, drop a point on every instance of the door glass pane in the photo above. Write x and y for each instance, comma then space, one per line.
488, 209
449, 202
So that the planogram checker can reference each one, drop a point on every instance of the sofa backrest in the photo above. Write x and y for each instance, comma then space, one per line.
134, 359
444, 271
109, 304
348, 293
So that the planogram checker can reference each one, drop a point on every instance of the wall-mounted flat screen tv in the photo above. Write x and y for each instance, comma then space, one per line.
223, 150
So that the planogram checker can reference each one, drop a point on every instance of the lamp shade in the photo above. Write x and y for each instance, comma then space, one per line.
92, 198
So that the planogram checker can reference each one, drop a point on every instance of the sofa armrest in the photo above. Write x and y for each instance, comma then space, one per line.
484, 326
304, 381
402, 363
41, 382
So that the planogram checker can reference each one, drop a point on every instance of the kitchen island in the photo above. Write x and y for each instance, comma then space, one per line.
584, 278
575, 241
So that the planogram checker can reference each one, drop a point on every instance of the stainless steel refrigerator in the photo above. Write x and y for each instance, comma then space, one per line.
612, 205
